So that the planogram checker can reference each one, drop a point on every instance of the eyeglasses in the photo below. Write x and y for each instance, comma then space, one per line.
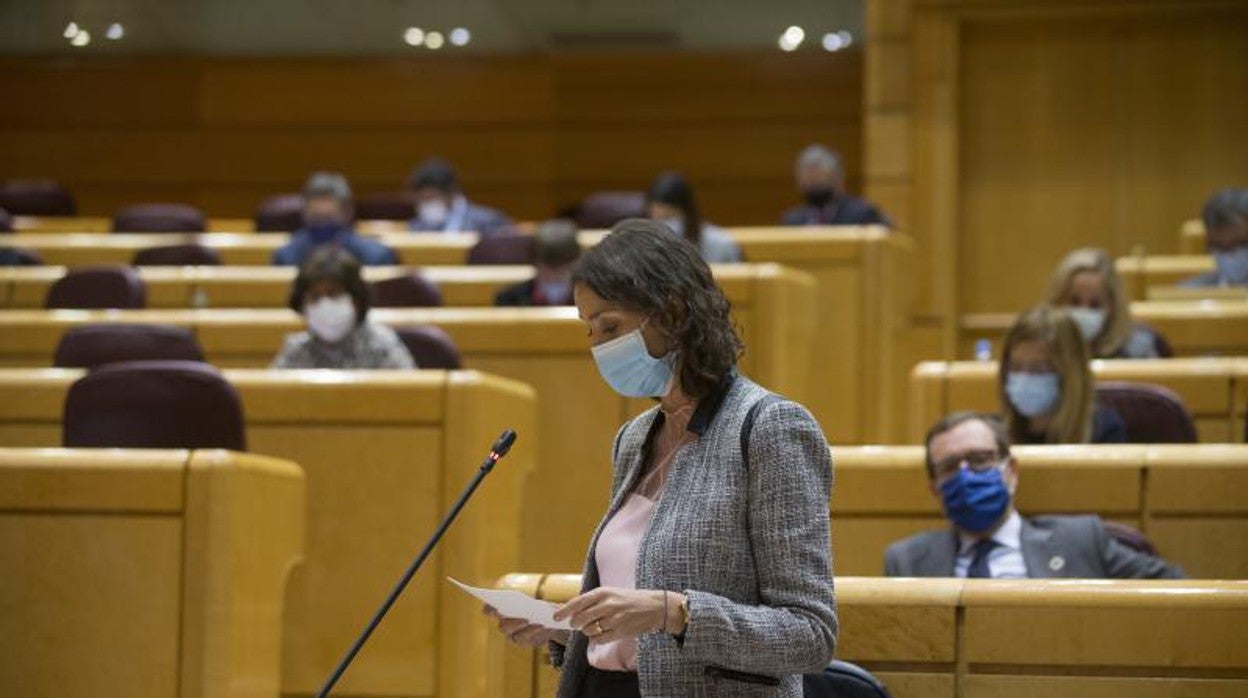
978, 461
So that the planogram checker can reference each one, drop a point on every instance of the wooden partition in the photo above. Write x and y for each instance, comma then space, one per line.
1192, 237
1212, 389
1140, 274
1190, 500
863, 278
386, 453
104, 224
145, 572
1193, 327
955, 638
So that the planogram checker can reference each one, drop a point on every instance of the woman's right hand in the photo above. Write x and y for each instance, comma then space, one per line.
527, 634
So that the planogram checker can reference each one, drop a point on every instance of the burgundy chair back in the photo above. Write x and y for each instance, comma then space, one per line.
430, 347
388, 206
408, 291
1153, 414
36, 197
606, 208
153, 404
89, 346
280, 214
503, 249
159, 218
97, 287
1129, 537
177, 256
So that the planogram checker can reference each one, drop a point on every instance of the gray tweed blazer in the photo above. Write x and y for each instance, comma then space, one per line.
748, 542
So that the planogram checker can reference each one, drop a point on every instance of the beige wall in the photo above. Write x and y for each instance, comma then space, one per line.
1004, 133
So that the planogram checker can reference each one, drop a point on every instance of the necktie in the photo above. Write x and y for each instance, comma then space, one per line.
979, 560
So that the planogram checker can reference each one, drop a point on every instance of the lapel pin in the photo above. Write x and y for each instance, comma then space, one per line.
1056, 563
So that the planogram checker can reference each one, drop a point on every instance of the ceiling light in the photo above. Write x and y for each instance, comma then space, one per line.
460, 36
833, 42
115, 31
434, 40
791, 38
414, 36
846, 38
71, 30
82, 38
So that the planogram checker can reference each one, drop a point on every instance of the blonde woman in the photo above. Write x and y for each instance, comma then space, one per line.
1087, 285
1046, 387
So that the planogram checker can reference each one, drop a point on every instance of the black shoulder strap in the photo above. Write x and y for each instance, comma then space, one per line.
747, 426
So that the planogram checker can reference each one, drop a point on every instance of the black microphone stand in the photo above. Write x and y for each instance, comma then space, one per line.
500, 449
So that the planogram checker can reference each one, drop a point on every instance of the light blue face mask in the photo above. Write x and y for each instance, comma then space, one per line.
628, 368
1232, 266
1033, 394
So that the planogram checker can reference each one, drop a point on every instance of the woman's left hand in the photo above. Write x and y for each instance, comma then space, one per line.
607, 614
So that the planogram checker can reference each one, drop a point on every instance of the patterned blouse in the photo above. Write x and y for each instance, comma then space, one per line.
368, 346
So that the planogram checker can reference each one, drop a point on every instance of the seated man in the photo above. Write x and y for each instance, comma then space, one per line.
1226, 237
442, 206
821, 181
555, 250
971, 472
327, 210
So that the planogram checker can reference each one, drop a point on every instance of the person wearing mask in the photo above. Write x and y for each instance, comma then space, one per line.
555, 251
821, 181
710, 573
334, 300
1088, 287
1226, 237
442, 207
1046, 387
971, 473
670, 201
327, 214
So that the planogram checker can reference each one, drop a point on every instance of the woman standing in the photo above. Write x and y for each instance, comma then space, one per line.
710, 573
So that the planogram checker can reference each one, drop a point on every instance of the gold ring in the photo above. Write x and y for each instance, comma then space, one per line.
598, 627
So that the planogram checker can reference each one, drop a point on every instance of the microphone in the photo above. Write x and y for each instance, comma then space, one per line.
500, 448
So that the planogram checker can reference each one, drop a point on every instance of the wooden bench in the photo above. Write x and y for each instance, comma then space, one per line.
948, 638
1193, 328
104, 224
1212, 389
1139, 274
1190, 500
385, 454
145, 572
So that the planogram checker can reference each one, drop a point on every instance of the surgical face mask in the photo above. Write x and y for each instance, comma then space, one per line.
677, 225
1090, 321
975, 500
1033, 394
434, 212
1232, 265
819, 196
331, 318
628, 368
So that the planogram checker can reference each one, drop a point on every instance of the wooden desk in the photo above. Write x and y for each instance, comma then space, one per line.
385, 453
948, 638
104, 224
145, 572
1193, 328
1210, 388
1139, 274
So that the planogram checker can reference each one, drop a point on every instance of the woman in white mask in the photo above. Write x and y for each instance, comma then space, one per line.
334, 300
1087, 285
1046, 387
710, 572
671, 202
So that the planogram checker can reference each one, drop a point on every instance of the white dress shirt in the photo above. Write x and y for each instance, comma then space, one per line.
1005, 561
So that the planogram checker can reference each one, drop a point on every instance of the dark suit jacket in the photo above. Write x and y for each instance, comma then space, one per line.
844, 210
366, 251
521, 294
1053, 546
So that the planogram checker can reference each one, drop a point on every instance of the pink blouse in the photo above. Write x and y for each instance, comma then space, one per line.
620, 540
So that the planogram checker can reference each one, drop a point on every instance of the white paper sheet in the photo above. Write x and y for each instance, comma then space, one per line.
514, 604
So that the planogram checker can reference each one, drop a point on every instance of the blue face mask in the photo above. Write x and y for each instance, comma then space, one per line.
1033, 394
628, 368
322, 232
1232, 266
974, 501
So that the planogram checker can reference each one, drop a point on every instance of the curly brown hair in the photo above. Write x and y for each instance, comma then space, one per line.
644, 268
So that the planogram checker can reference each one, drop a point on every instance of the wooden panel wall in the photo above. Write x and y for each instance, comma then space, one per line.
1004, 133
530, 134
